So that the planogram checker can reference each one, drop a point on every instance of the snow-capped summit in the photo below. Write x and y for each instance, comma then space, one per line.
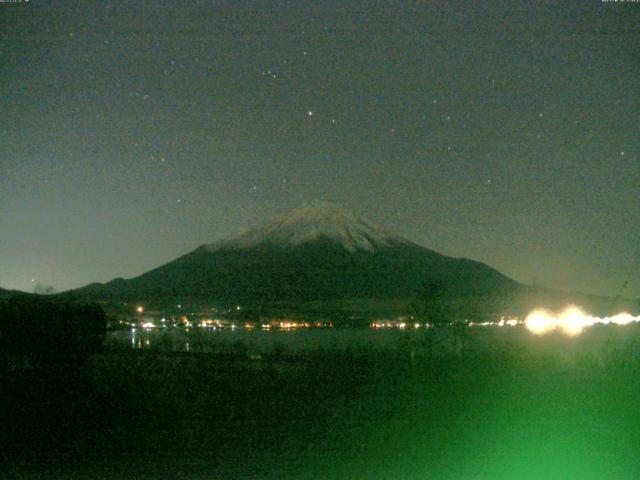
313, 221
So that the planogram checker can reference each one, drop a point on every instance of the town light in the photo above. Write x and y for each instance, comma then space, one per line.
571, 321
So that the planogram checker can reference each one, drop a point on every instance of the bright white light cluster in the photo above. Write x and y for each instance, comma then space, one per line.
571, 321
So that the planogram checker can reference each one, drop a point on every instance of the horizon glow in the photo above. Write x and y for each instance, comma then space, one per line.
571, 321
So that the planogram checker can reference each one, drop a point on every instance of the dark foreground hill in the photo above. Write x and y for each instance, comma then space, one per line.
49, 328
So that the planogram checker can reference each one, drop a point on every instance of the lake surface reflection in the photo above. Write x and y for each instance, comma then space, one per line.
259, 341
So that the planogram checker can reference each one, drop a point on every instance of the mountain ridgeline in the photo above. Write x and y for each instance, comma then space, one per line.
320, 252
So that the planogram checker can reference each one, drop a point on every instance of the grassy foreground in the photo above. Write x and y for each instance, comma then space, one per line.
528, 408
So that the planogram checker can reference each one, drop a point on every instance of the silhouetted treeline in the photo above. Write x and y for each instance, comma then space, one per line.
34, 325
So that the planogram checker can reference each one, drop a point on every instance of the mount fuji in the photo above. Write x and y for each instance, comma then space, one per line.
320, 252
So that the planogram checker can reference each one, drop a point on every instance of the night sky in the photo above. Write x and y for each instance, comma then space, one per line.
133, 132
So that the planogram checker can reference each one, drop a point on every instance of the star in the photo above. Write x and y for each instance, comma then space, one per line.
622, 153
310, 113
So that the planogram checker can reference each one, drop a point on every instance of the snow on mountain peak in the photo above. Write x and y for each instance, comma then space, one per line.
314, 220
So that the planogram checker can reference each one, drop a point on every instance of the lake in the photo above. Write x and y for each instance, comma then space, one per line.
297, 341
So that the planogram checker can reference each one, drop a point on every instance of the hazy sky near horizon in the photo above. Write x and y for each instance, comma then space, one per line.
507, 132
